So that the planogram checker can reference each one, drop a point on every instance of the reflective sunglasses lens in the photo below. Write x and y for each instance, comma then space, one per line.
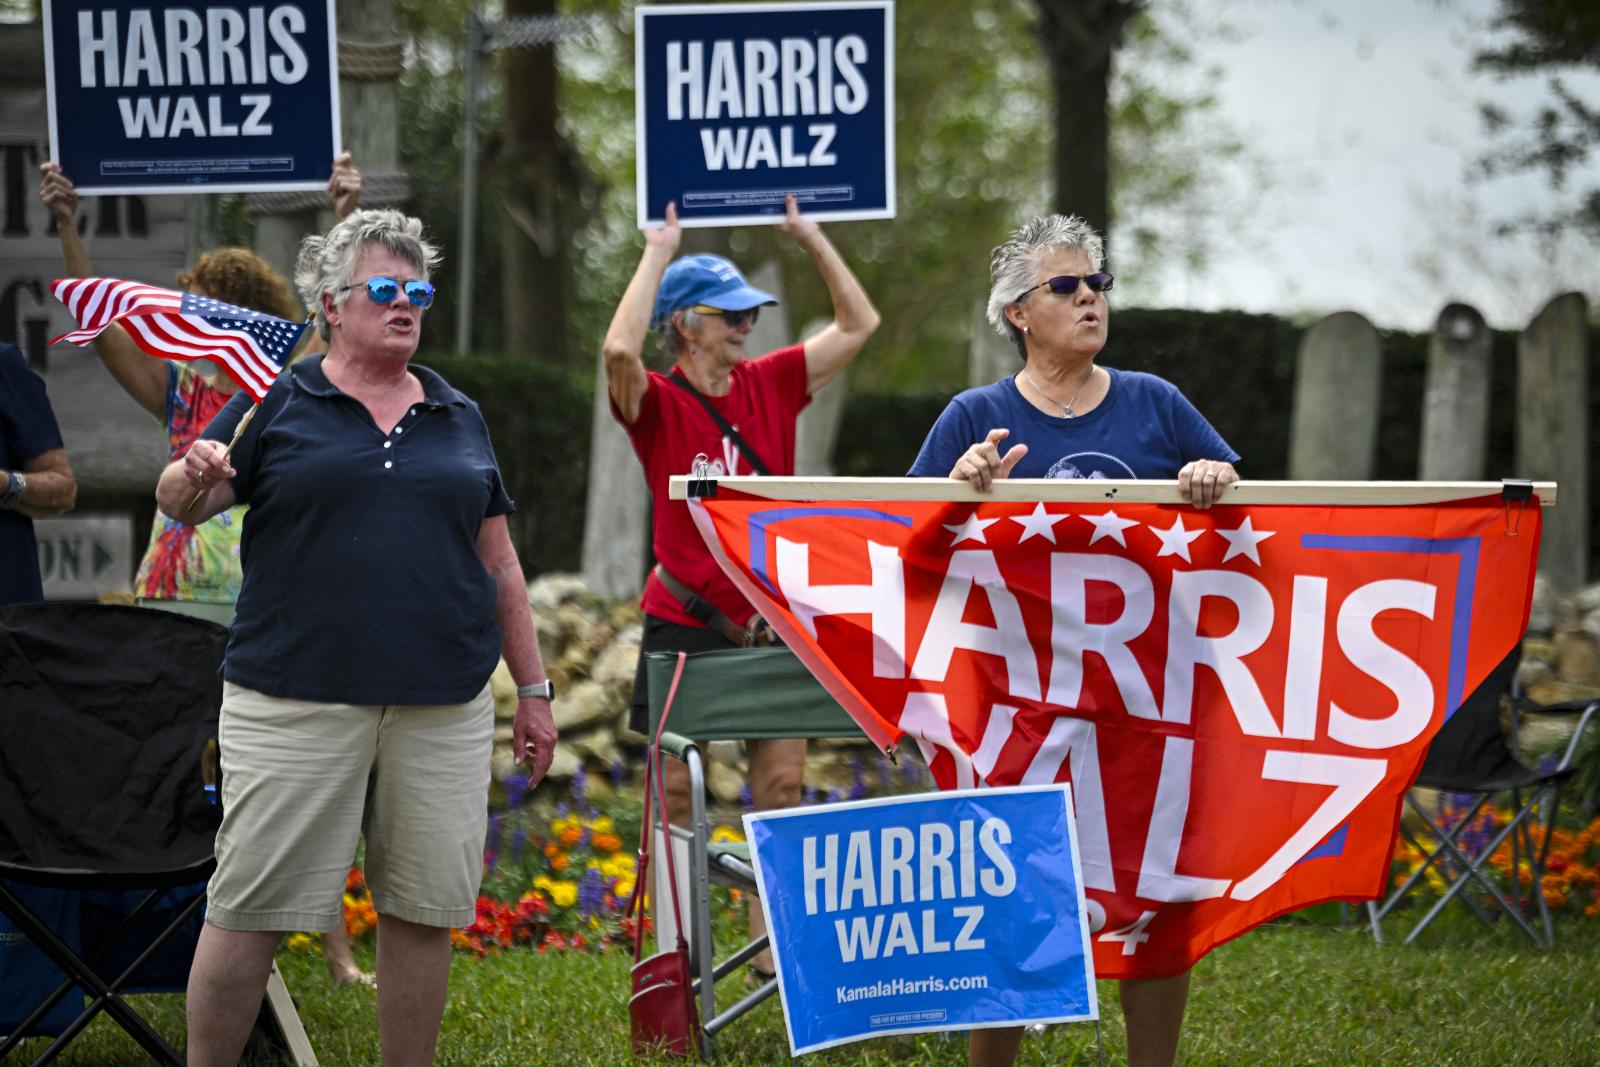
1063, 285
382, 290
1100, 283
419, 293
737, 319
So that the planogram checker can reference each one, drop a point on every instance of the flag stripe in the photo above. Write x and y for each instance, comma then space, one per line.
152, 334
250, 345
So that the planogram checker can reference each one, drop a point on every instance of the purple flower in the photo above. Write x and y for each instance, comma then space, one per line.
518, 839
619, 773
591, 893
516, 789
831, 797
496, 824
580, 783
808, 797
746, 801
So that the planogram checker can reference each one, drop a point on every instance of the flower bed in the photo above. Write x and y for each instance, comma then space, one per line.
1572, 865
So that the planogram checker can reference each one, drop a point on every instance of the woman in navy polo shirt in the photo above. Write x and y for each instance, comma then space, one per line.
380, 589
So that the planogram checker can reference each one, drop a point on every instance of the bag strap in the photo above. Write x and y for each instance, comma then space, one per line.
641, 872
717, 417
757, 633
657, 777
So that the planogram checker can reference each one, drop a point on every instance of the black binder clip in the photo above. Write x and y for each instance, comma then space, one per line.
702, 482
1516, 491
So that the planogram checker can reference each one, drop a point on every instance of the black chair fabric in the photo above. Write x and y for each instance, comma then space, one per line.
1469, 753
104, 715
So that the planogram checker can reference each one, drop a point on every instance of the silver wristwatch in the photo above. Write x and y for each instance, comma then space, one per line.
11, 495
546, 689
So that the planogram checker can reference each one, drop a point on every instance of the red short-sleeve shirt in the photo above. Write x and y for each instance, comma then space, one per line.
766, 395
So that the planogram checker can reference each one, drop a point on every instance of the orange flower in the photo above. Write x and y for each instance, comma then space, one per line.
559, 862
571, 835
607, 842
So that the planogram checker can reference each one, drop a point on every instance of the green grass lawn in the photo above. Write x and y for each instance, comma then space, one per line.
1290, 993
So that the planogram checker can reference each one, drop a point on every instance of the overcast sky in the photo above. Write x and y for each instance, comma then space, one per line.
1363, 116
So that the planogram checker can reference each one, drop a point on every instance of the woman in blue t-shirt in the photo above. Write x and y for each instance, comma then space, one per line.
1065, 416
1062, 414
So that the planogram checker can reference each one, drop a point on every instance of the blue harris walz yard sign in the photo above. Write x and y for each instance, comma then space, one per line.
153, 96
738, 105
944, 911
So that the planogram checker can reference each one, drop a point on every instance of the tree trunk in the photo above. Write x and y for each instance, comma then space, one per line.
1080, 37
545, 201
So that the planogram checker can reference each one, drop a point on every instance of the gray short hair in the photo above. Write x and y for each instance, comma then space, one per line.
1013, 265
326, 263
670, 339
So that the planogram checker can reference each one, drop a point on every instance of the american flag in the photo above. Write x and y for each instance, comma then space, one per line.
251, 346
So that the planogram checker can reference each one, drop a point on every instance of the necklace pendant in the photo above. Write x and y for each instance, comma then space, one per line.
1067, 412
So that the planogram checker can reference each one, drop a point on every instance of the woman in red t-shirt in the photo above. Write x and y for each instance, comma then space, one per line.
702, 311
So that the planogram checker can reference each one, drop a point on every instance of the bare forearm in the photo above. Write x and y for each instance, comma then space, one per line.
176, 497
73, 254
631, 321
48, 492
518, 642
624, 344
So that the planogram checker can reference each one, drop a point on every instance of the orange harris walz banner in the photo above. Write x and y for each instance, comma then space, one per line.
1240, 697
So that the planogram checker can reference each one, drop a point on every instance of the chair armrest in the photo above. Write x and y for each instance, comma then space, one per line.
676, 745
1561, 707
1586, 712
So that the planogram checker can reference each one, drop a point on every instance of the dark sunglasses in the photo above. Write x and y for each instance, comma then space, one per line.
734, 319
1065, 284
384, 290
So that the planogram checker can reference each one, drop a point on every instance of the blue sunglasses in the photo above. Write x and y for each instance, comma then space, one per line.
384, 290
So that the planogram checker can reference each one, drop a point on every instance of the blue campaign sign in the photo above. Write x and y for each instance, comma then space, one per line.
152, 96
737, 105
944, 911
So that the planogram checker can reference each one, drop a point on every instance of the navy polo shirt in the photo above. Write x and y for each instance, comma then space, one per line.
27, 430
362, 580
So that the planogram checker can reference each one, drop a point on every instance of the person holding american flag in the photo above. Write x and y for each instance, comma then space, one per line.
380, 590
193, 569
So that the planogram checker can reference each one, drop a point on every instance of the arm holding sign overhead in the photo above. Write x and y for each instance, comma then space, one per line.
854, 317
624, 344
142, 378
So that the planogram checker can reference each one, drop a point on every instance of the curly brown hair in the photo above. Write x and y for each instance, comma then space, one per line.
239, 276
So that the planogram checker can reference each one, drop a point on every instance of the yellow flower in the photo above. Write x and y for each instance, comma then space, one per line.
303, 942
726, 833
624, 888
564, 894
603, 825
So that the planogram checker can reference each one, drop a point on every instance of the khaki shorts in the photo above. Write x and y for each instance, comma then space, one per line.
302, 779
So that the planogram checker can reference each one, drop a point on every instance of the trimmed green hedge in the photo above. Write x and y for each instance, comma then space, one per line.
539, 421
1238, 369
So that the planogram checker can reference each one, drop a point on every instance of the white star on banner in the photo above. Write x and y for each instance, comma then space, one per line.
1110, 525
1175, 539
1243, 541
971, 530
1040, 522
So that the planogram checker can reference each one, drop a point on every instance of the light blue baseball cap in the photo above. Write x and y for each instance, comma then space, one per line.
709, 280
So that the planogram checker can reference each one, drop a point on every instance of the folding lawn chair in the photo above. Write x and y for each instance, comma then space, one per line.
1470, 759
730, 695
105, 716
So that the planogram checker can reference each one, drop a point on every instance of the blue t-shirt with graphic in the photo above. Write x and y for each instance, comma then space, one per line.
1144, 428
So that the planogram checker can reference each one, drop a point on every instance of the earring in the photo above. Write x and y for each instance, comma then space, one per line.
1024, 329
